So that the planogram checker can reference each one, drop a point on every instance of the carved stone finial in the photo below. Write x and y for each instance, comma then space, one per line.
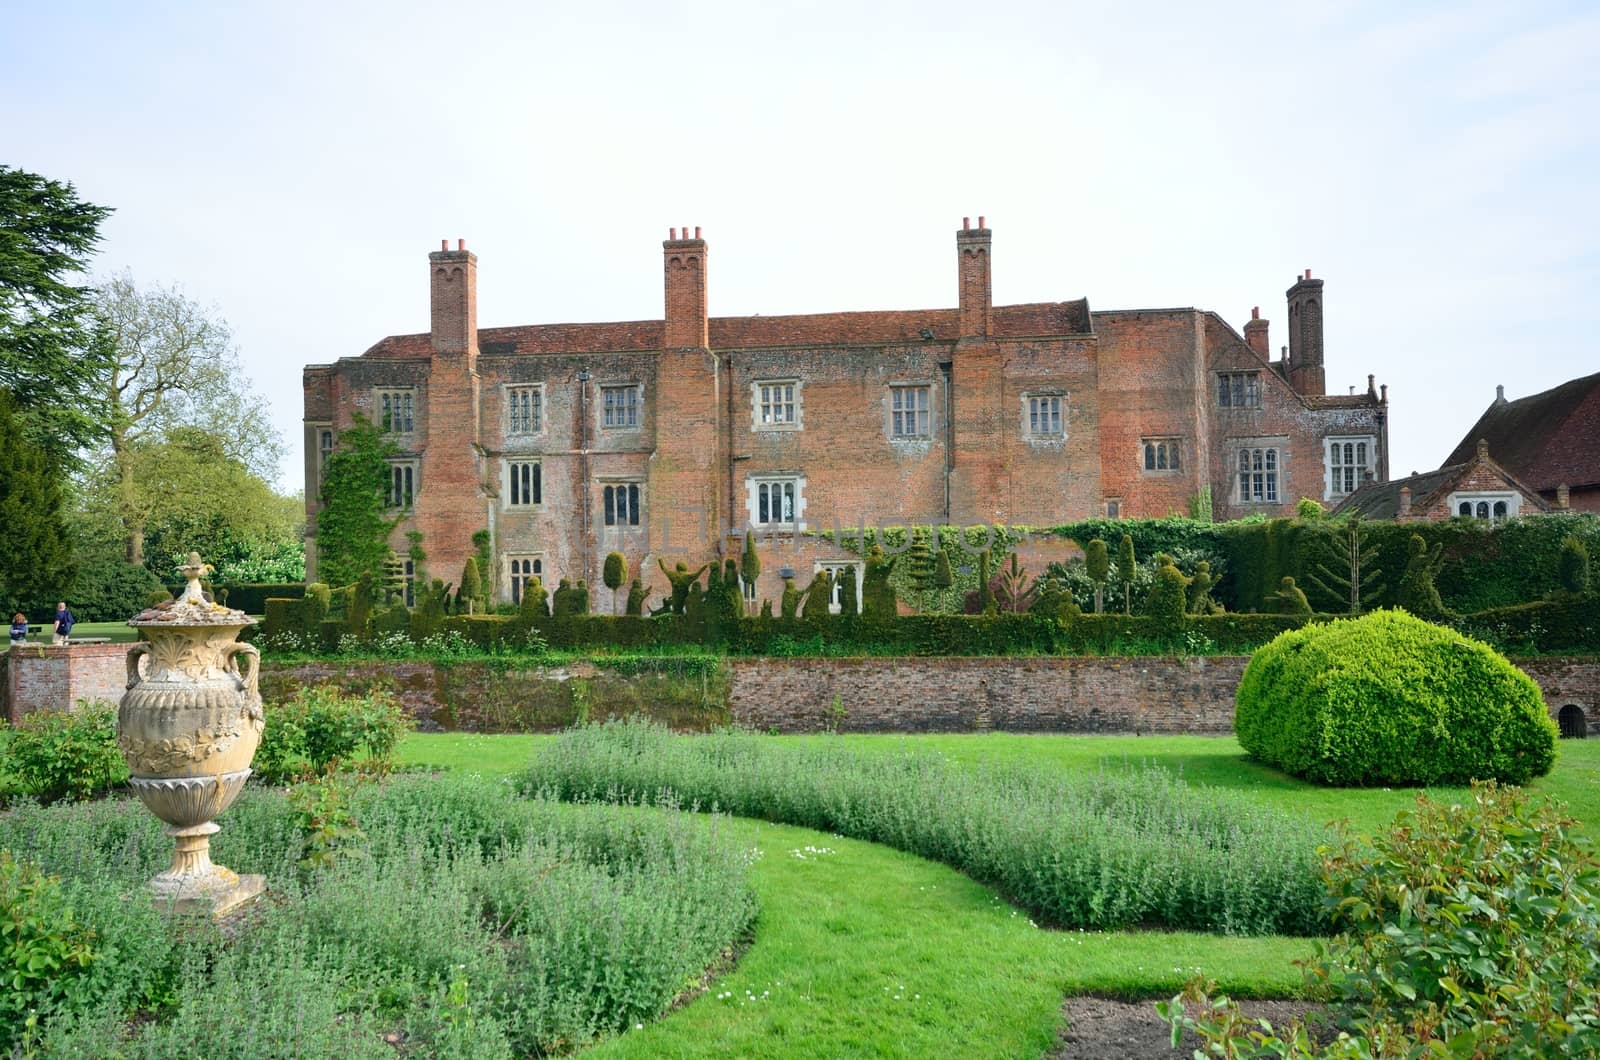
194, 570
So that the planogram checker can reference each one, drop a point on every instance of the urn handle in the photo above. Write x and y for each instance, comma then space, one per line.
135, 652
251, 676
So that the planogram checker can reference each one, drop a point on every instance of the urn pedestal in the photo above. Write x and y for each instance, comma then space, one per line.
188, 726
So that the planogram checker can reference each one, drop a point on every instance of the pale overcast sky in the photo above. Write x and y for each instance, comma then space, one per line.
293, 164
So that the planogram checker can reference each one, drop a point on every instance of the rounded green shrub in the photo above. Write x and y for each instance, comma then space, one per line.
1390, 699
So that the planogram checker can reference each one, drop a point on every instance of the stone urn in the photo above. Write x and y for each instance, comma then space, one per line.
188, 726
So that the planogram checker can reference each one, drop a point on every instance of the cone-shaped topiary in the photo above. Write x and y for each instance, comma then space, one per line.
1126, 568
1097, 564
943, 577
1390, 699
615, 574
471, 587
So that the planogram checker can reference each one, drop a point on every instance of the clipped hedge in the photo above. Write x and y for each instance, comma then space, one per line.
1390, 699
251, 597
1566, 624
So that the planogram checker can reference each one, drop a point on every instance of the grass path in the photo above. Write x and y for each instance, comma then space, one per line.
867, 951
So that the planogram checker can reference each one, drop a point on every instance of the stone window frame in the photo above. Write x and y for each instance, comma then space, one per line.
856, 566
896, 388
1244, 384
1333, 442
508, 397
798, 402
753, 484
535, 484
1490, 500
636, 518
1113, 507
381, 418
318, 433
1161, 454
635, 405
515, 579
1270, 467
405, 480
1029, 418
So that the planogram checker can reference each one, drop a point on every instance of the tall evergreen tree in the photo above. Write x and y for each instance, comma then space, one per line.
49, 361
35, 551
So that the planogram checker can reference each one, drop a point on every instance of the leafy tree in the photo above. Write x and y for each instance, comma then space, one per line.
353, 526
48, 361
1127, 568
173, 369
35, 549
1349, 576
1097, 561
1574, 565
1309, 509
614, 574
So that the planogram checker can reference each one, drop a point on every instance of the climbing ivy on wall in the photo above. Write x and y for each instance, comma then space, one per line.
353, 525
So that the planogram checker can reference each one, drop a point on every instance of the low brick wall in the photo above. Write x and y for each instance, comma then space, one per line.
47, 677
1036, 694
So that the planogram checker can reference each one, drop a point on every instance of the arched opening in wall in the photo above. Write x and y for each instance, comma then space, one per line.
1574, 726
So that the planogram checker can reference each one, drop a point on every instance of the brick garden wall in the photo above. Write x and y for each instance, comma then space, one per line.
45, 677
1146, 694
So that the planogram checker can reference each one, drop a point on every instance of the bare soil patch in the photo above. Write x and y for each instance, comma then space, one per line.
1099, 1028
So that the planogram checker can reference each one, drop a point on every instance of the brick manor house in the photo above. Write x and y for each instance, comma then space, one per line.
665, 439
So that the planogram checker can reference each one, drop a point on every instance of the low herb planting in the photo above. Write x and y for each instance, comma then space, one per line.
1098, 850
457, 920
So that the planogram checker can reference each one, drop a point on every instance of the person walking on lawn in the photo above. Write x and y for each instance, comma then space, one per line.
64, 621
19, 628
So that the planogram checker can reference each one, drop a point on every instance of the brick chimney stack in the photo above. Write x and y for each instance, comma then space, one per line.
1405, 503
1563, 497
453, 298
685, 261
976, 295
1255, 333
1306, 372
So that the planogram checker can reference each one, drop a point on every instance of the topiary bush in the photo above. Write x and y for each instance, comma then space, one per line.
1390, 699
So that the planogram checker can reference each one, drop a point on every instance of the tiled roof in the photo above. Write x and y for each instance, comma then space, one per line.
1544, 439
1381, 500
732, 333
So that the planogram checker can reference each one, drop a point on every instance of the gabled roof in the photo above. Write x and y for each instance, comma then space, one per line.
1545, 439
1381, 500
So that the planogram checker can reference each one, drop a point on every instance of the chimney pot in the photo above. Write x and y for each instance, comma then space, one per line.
966, 224
672, 233
1308, 274
981, 221
461, 244
1255, 312
1383, 393
1500, 392
697, 231
444, 244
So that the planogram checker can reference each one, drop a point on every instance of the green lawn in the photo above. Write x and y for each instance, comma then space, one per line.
866, 951
115, 631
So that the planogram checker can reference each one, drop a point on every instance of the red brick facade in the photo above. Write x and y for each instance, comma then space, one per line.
664, 439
